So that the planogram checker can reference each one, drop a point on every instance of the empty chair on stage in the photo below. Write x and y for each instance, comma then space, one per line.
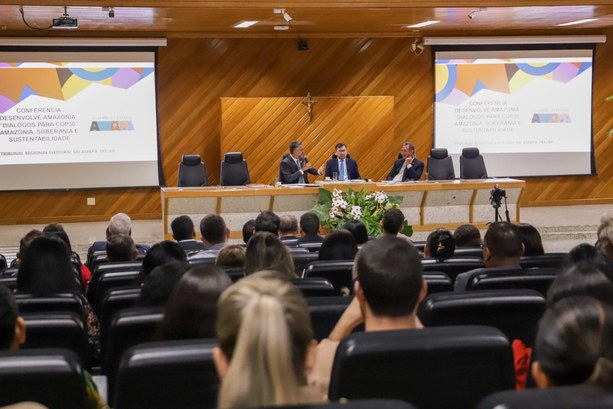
440, 166
234, 171
472, 165
192, 172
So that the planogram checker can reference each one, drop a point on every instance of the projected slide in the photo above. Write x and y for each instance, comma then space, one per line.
78, 120
528, 112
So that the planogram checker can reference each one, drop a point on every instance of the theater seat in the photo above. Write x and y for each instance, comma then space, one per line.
440, 166
192, 172
438, 282
115, 300
551, 260
315, 287
234, 170
29, 303
169, 374
325, 312
564, 397
538, 279
302, 259
453, 266
514, 312
353, 404
472, 165
433, 368
338, 272
52, 377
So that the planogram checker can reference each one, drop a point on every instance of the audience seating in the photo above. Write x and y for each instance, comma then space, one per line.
315, 287
562, 397
468, 252
107, 268
52, 377
443, 367
353, 404
235, 273
440, 166
551, 260
3, 264
338, 272
438, 282
538, 279
168, 374
325, 312
114, 279
8, 278
58, 330
129, 327
472, 165
29, 303
452, 266
93, 256
192, 172
115, 300
302, 259
514, 312
234, 171
312, 247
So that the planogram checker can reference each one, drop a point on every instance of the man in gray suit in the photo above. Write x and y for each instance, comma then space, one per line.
295, 166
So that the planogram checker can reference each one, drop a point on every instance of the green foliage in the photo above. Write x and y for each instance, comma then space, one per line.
334, 209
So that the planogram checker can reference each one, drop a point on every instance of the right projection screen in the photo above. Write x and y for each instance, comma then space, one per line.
528, 111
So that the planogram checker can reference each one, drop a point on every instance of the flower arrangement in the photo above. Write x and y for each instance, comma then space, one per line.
335, 208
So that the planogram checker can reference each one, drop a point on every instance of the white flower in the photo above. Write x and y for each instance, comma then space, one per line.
356, 212
339, 203
337, 194
332, 212
370, 196
380, 197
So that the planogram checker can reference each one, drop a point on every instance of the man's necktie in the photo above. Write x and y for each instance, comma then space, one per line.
341, 170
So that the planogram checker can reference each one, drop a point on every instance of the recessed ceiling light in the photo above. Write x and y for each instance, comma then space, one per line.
423, 24
245, 24
281, 28
572, 23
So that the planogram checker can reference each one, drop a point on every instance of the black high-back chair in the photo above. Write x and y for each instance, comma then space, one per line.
234, 171
338, 272
302, 259
438, 282
114, 279
472, 165
433, 368
550, 260
64, 302
315, 287
51, 377
192, 172
440, 166
190, 380
352, 404
538, 279
560, 397
514, 312
325, 312
453, 266
58, 330
115, 300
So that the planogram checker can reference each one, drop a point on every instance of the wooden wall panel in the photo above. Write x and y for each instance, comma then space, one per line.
262, 128
193, 74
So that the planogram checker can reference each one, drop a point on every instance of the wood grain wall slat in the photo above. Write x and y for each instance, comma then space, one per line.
194, 74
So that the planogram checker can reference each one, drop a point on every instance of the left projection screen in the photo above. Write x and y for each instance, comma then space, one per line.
77, 120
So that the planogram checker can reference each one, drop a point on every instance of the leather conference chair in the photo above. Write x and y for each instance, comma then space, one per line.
551, 260
63, 302
234, 171
168, 374
538, 279
433, 368
438, 282
353, 404
302, 259
315, 287
561, 397
338, 272
440, 166
52, 377
325, 312
468, 252
514, 312
472, 165
192, 172
58, 330
453, 266
115, 300
109, 280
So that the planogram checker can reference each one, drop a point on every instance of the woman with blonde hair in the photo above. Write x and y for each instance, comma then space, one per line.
266, 346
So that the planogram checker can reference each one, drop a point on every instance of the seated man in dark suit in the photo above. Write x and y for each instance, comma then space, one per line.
309, 226
341, 164
295, 166
502, 251
184, 233
408, 167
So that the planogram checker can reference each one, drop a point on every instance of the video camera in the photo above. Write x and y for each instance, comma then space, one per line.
496, 196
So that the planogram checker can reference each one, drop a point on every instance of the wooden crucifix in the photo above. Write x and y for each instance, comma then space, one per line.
309, 102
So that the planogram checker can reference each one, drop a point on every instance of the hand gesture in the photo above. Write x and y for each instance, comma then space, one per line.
409, 160
306, 166
321, 170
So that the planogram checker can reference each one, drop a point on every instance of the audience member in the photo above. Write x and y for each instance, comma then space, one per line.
392, 221
586, 253
162, 253
288, 230
84, 272
191, 311
573, 344
582, 279
248, 230
358, 230
158, 285
120, 223
24, 243
388, 290
120, 247
266, 252
531, 238
232, 255
338, 245
604, 242
13, 335
267, 221
215, 235
265, 347
184, 233
467, 235
309, 227
439, 245
502, 251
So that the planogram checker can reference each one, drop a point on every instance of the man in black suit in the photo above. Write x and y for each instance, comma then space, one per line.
344, 167
408, 167
295, 166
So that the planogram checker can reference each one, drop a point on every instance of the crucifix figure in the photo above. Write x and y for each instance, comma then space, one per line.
308, 101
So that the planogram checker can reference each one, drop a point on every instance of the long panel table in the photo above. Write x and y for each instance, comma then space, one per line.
426, 204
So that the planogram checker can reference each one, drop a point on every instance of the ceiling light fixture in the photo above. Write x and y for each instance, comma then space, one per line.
473, 14
572, 23
283, 13
281, 28
423, 24
245, 24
